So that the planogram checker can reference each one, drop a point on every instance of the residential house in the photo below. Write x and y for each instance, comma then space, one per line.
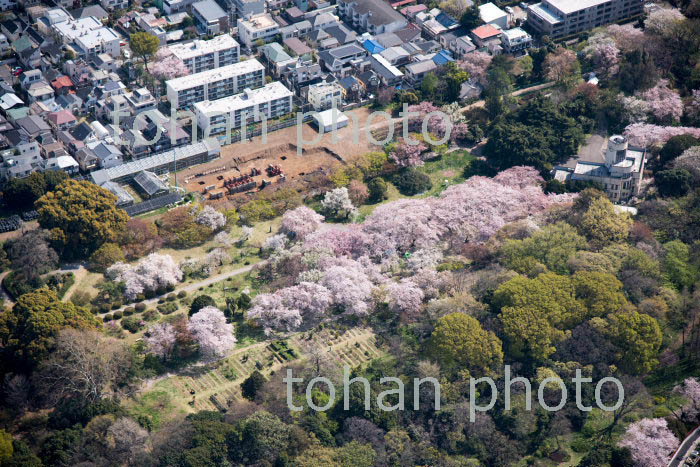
388, 73
61, 120
487, 35
140, 100
277, 58
112, 5
341, 59
323, 96
397, 56
516, 41
373, 16
300, 29
415, 72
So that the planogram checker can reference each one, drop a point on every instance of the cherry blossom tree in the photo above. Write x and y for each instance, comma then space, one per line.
211, 331
337, 202
560, 64
160, 340
211, 218
167, 66
405, 297
224, 238
351, 241
301, 222
690, 390
358, 191
276, 242
604, 54
646, 135
436, 124
401, 226
663, 103
153, 272
637, 109
215, 259
349, 286
690, 161
246, 233
692, 108
627, 38
460, 132
291, 307
477, 65
651, 442
408, 155
427, 258
660, 22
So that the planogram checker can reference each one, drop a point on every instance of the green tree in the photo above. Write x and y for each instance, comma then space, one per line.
676, 146
429, 86
638, 336
81, 217
673, 182
552, 246
257, 210
470, 18
459, 342
677, 266
252, 384
29, 329
377, 190
105, 256
411, 182
201, 301
144, 45
6, 448
600, 292
637, 72
22, 193
263, 437
603, 225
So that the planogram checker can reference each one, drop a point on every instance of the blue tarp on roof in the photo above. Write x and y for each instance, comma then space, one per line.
373, 46
443, 57
446, 20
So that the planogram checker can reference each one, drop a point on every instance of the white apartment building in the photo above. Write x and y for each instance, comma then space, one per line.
88, 36
215, 118
491, 14
515, 41
620, 174
215, 84
373, 16
560, 18
323, 96
200, 55
246, 8
257, 27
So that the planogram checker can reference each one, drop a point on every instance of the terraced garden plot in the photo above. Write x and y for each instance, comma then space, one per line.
214, 386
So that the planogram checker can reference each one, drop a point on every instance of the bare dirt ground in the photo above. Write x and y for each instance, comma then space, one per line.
318, 156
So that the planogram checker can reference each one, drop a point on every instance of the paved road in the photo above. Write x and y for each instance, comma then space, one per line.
685, 448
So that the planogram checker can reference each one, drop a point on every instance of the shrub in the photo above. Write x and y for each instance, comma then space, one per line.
128, 311
200, 302
105, 256
133, 324
252, 384
108, 317
116, 305
150, 315
411, 182
117, 314
377, 190
140, 307
181, 294
171, 297
167, 308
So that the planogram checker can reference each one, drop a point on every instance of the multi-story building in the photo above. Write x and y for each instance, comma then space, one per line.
491, 14
246, 8
620, 174
209, 17
114, 4
88, 36
176, 6
202, 55
218, 117
373, 16
257, 28
341, 59
215, 84
516, 41
560, 18
323, 96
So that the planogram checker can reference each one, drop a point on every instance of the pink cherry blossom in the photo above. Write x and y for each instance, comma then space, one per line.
160, 340
663, 103
408, 155
167, 66
477, 64
211, 331
651, 442
646, 135
405, 297
151, 273
290, 307
301, 222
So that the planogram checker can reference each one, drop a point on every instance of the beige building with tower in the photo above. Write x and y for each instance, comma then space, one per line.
620, 175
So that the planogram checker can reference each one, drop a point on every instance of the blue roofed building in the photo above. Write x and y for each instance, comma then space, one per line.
373, 47
443, 58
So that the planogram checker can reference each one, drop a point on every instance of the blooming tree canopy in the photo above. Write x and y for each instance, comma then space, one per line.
337, 202
477, 64
604, 53
405, 297
160, 340
646, 135
287, 309
408, 155
211, 218
663, 103
153, 272
651, 442
167, 66
301, 222
212, 332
